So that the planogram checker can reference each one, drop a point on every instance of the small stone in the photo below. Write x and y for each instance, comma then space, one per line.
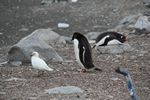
114, 78
2, 93
32, 98
1, 33
74, 1
116, 61
63, 25
15, 79
133, 57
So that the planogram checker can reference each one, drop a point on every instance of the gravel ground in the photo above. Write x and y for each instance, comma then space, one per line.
20, 19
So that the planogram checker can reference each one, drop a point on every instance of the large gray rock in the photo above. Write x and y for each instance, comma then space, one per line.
114, 49
137, 24
38, 41
146, 3
127, 23
142, 24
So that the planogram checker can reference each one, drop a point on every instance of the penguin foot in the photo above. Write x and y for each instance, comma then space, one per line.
82, 70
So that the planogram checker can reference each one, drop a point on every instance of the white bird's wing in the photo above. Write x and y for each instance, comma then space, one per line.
39, 63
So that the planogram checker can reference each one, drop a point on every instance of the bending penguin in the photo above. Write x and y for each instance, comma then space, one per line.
39, 63
83, 54
109, 38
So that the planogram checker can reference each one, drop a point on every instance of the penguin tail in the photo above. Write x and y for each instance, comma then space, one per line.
97, 69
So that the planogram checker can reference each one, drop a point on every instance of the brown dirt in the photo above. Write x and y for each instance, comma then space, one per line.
82, 17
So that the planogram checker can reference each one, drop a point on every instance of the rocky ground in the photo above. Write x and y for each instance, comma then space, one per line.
20, 17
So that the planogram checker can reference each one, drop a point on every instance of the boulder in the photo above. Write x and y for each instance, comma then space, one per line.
38, 41
92, 35
137, 24
146, 3
114, 49
142, 24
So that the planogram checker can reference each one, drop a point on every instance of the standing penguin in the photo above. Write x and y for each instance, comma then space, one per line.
82, 50
109, 38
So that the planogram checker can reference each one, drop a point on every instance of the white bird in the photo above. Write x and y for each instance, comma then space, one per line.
39, 63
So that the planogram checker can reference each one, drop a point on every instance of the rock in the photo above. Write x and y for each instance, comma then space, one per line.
1, 33
67, 39
61, 40
74, 1
92, 35
146, 3
127, 23
47, 2
39, 41
114, 78
32, 98
63, 25
137, 24
64, 90
131, 19
16, 63
3, 63
142, 24
114, 49
23, 29
15, 79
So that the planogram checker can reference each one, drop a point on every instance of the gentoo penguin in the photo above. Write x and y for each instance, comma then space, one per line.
82, 50
109, 38
39, 63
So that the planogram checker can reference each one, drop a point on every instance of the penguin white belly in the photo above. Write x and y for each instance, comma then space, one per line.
76, 50
101, 41
114, 41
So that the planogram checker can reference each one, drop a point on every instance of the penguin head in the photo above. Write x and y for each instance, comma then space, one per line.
122, 38
35, 54
76, 35
119, 37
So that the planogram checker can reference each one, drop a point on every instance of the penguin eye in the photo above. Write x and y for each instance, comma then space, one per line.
121, 36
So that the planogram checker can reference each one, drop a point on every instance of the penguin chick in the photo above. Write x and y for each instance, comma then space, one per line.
39, 63
109, 38
83, 52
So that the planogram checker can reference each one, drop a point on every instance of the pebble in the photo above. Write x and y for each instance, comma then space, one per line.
23, 29
1, 33
63, 25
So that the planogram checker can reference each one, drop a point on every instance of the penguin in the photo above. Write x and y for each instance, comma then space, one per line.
109, 38
39, 63
83, 52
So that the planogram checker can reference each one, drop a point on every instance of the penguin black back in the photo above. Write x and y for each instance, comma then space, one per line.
108, 36
113, 35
